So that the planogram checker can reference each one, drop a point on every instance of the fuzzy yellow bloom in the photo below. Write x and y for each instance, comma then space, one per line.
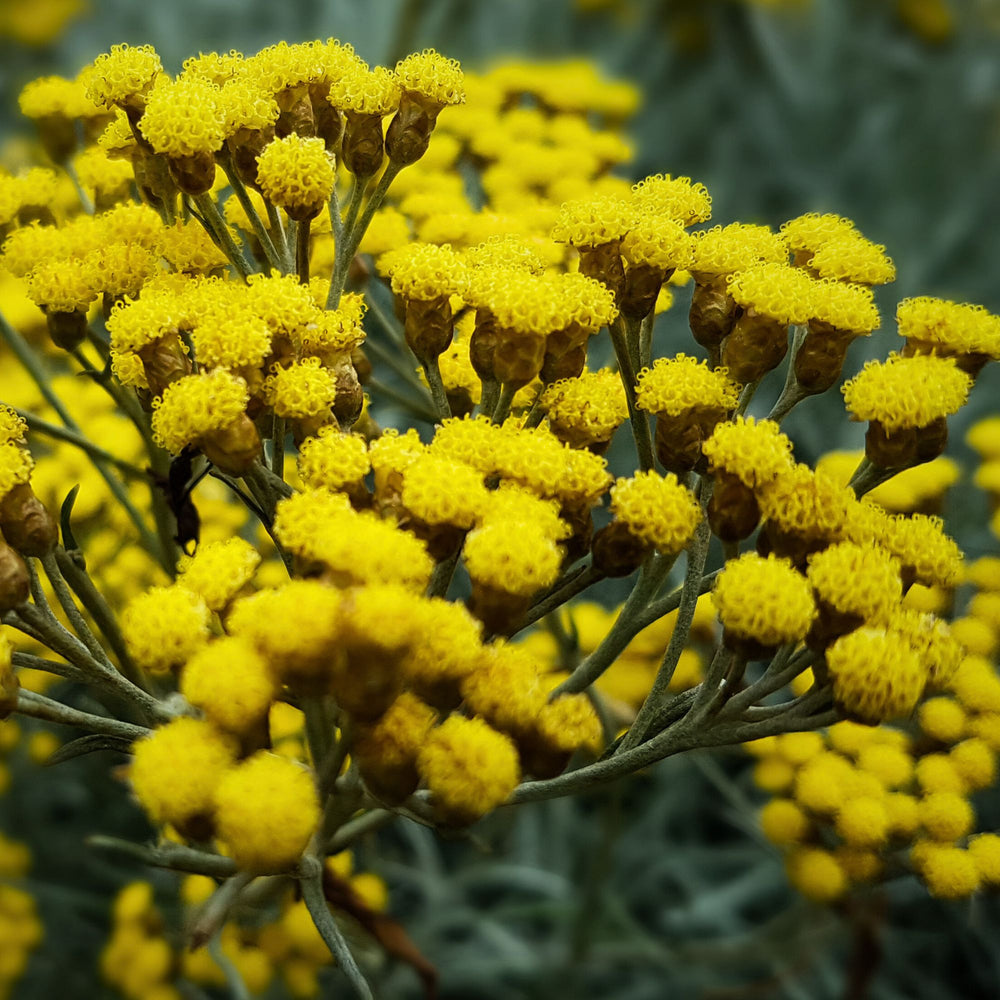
15, 467
332, 460
296, 174
656, 509
586, 410
724, 250
946, 815
948, 327
182, 119
301, 390
949, 872
985, 852
266, 811
807, 233
763, 599
863, 821
675, 385
590, 223
816, 874
851, 257
176, 770
876, 674
784, 823
907, 392
435, 78
469, 768
755, 451
519, 563
440, 491
674, 197
777, 291
231, 682
857, 579
196, 405
123, 75
164, 626
219, 570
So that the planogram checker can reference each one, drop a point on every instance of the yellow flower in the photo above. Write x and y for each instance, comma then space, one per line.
657, 509
433, 77
753, 451
296, 174
948, 326
857, 579
176, 770
266, 811
182, 119
949, 872
586, 410
196, 405
590, 223
784, 823
850, 257
469, 768
301, 390
123, 75
682, 383
816, 874
164, 626
332, 460
724, 250
218, 571
777, 291
676, 198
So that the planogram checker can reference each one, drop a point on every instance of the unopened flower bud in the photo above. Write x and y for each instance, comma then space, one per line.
15, 583
363, 147
756, 345
233, 448
68, 330
712, 314
733, 513
27, 525
906, 446
617, 551
428, 326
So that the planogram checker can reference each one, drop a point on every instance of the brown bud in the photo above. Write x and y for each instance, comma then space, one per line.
792, 545
27, 525
428, 326
363, 148
518, 358
830, 624
392, 782
366, 680
350, 397
460, 401
907, 446
642, 285
618, 552
483, 344
746, 648
712, 313
233, 448
295, 114
819, 360
581, 520
604, 263
442, 540
499, 611
68, 330
362, 365
568, 365
164, 362
15, 583
409, 132
679, 438
194, 175
756, 345
732, 512
329, 121
245, 147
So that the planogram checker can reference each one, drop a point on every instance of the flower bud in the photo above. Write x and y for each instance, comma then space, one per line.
15, 583
712, 314
756, 345
618, 552
27, 525
233, 448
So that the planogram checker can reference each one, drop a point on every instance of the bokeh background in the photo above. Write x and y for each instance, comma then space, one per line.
887, 111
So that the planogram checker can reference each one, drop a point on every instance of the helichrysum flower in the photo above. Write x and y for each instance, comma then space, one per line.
941, 326
682, 383
843, 307
876, 674
807, 233
196, 405
586, 411
764, 600
907, 392
755, 451
850, 257
441, 491
587, 224
521, 563
469, 768
918, 541
435, 78
861, 580
657, 509
164, 626
123, 75
15, 466
863, 821
948, 872
182, 119
676, 198
784, 822
816, 874
724, 250
301, 390
332, 460
266, 811
176, 770
296, 174
776, 291
231, 682
218, 571
946, 815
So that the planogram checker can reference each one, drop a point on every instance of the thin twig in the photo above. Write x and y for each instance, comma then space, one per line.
37, 706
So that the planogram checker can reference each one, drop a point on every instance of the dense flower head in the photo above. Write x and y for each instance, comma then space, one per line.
851, 257
197, 404
676, 198
513, 505
13, 427
365, 91
589, 223
816, 873
949, 872
56, 95
806, 502
857, 579
589, 408
432, 76
876, 674
505, 688
938, 323
266, 809
175, 770
777, 291
845, 307
519, 563
764, 599
919, 542
725, 250
231, 682
282, 66
302, 389
15, 466
219, 570
244, 104
62, 285
934, 641
657, 242
164, 626
682, 383
907, 392
657, 509
296, 174
424, 271
182, 118
469, 767
122, 73
442, 491
333, 460
810, 231
231, 337
755, 451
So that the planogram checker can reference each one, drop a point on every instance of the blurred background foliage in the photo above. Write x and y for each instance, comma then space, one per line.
883, 111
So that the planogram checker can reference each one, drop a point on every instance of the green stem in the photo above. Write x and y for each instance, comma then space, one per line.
490, 397
868, 475
72, 612
746, 396
624, 630
576, 585
278, 447
31, 364
502, 411
638, 418
311, 880
278, 236
646, 339
237, 988
792, 393
419, 409
433, 372
216, 909
259, 229
216, 227
342, 261
302, 250
356, 828
697, 554
442, 576
37, 706
175, 857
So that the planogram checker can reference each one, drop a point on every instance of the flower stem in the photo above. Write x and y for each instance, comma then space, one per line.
638, 418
